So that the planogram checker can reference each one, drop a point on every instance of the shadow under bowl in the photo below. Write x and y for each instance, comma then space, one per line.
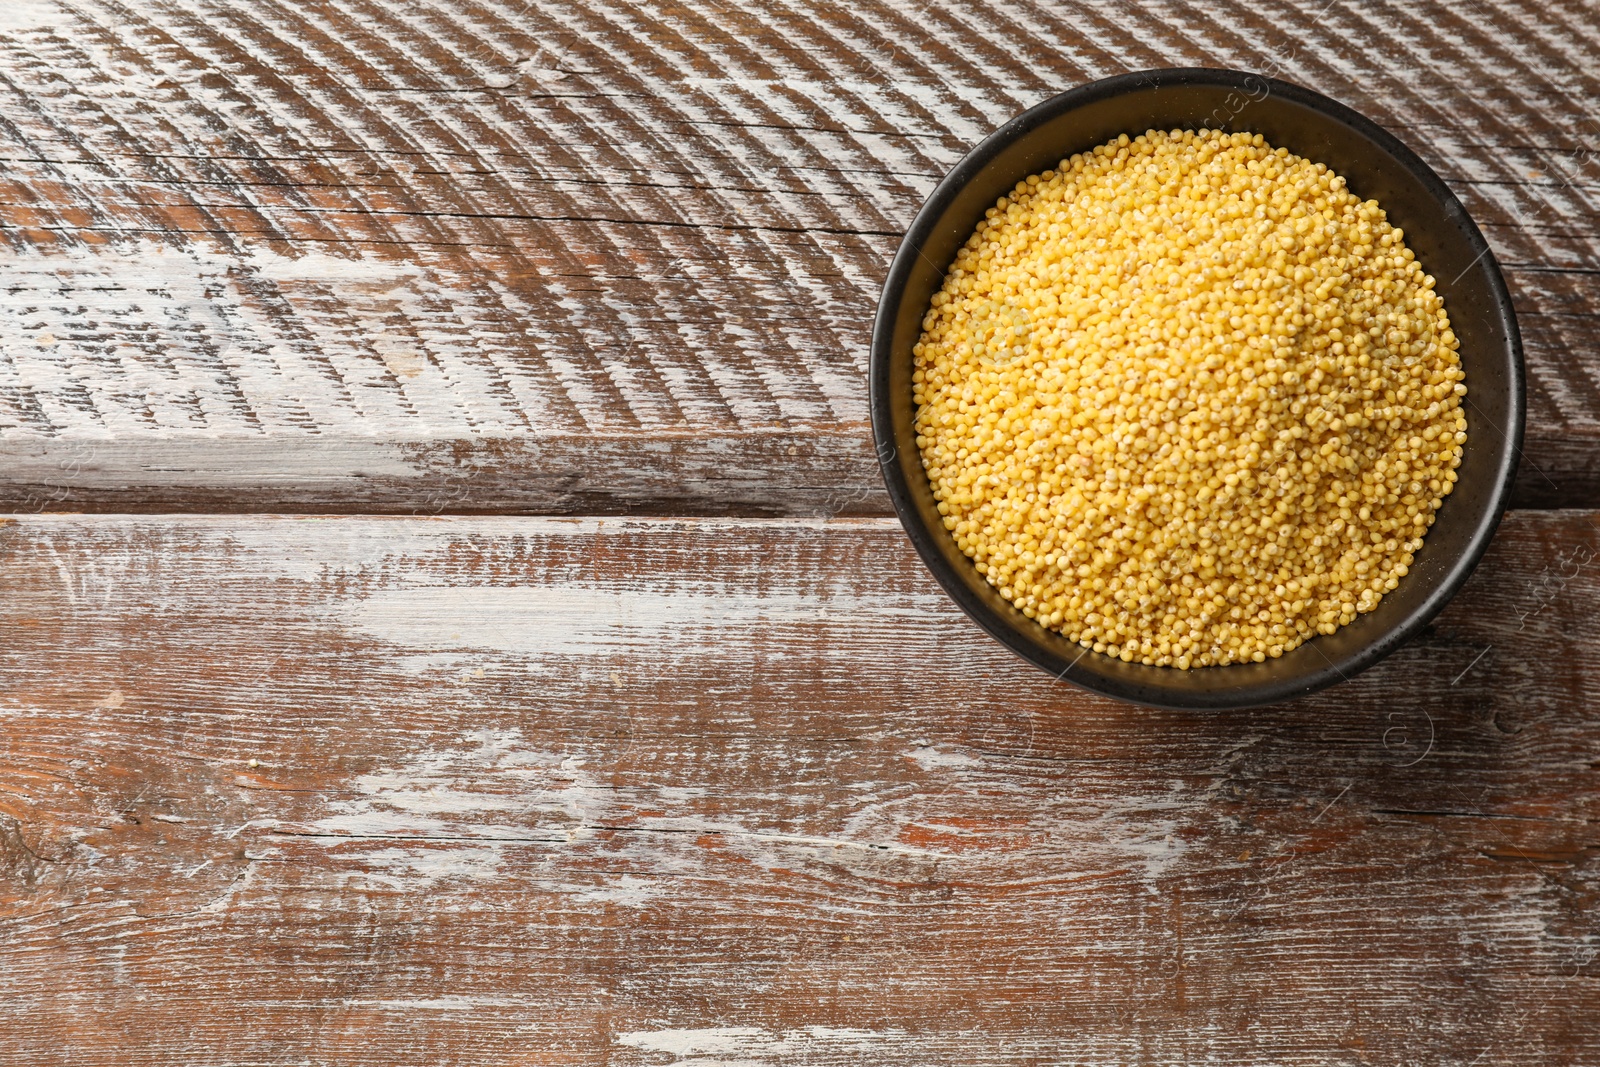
1376, 166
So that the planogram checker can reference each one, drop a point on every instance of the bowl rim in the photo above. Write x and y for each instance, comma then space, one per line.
927, 541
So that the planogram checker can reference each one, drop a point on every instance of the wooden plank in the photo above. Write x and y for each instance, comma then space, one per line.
255, 252
490, 790
760, 472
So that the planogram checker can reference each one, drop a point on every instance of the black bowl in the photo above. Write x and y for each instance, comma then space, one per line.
1377, 166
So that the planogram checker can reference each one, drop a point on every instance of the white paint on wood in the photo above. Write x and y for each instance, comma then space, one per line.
752, 1046
367, 346
419, 868
431, 794
624, 891
936, 757
455, 1003
561, 619
27, 17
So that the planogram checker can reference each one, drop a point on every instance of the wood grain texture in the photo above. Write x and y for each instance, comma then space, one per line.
260, 254
545, 791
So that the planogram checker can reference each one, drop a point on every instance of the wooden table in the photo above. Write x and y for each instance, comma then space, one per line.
451, 614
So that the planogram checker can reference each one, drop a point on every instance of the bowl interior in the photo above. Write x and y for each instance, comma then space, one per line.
1377, 166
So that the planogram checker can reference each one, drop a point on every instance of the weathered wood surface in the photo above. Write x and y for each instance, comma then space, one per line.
356, 240
541, 791
498, 790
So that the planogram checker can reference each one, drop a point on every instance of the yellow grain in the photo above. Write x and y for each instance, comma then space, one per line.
1187, 400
